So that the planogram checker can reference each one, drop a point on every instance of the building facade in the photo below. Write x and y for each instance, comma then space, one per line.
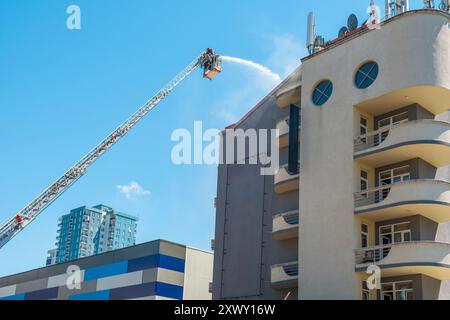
372, 191
87, 231
157, 270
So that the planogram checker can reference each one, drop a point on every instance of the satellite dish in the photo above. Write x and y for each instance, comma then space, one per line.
352, 22
343, 31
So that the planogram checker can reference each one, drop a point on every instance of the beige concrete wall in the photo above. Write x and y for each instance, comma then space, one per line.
411, 51
198, 274
419, 252
413, 191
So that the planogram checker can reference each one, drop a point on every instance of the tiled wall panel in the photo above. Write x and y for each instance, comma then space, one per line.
107, 270
133, 292
96, 295
122, 280
169, 291
8, 291
45, 294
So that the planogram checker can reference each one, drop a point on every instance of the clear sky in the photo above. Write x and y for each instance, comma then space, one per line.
62, 91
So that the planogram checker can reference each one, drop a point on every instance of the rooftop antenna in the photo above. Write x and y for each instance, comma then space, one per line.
445, 5
429, 4
394, 7
405, 5
311, 36
314, 42
388, 11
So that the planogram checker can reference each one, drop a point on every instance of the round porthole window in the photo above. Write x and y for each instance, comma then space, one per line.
366, 75
322, 92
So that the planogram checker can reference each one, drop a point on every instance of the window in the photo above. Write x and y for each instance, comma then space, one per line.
393, 120
364, 181
363, 128
322, 92
366, 75
365, 291
397, 291
396, 233
387, 123
364, 235
392, 176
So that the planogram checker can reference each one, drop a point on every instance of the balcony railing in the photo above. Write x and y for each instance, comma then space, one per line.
283, 127
291, 269
371, 139
286, 181
285, 225
372, 255
372, 196
291, 218
285, 275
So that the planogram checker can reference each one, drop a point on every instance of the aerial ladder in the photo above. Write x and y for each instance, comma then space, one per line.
211, 65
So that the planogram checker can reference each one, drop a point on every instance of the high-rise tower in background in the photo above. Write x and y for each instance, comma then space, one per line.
87, 231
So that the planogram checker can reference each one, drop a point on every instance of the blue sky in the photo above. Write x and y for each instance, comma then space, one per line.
62, 91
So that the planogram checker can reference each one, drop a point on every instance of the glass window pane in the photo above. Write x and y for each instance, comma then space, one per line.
364, 241
397, 238
322, 92
364, 174
385, 175
401, 171
387, 287
365, 228
407, 236
366, 75
385, 229
364, 285
404, 285
402, 227
400, 295
363, 122
400, 118
388, 296
363, 185
386, 239
384, 123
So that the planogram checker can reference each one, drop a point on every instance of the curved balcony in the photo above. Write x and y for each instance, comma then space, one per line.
283, 133
285, 275
435, 99
285, 226
286, 182
430, 198
429, 258
425, 139
290, 91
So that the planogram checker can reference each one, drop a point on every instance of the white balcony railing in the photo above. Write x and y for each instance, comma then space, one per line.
371, 139
372, 196
285, 181
284, 275
372, 255
283, 127
413, 257
285, 225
